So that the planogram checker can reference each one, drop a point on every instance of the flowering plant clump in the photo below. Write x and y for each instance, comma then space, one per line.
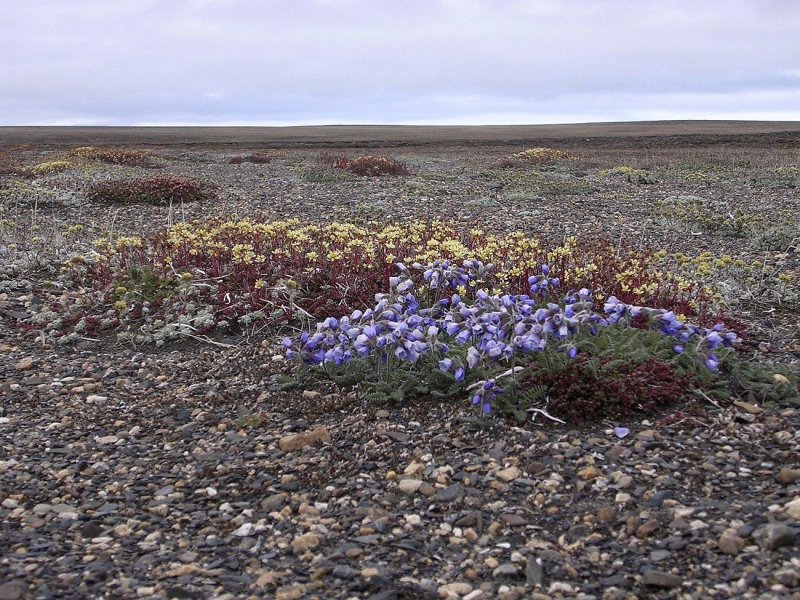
368, 166
244, 275
715, 217
498, 333
259, 158
535, 156
265, 273
631, 175
116, 156
51, 168
161, 190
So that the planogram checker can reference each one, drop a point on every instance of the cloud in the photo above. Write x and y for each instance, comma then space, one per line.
272, 61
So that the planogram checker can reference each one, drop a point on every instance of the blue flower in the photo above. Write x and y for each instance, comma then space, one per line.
473, 357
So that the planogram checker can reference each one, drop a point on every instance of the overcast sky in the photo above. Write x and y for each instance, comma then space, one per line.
282, 62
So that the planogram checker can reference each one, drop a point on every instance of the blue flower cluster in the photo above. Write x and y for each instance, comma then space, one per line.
708, 340
494, 329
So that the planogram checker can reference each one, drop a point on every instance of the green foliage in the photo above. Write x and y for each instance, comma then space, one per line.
621, 372
249, 421
710, 216
761, 384
787, 177
392, 382
631, 175
776, 237
143, 285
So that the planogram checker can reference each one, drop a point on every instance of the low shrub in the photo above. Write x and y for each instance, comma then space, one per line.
367, 166
517, 352
116, 156
631, 175
51, 168
781, 237
534, 156
711, 216
264, 274
9, 165
161, 190
259, 158
542, 352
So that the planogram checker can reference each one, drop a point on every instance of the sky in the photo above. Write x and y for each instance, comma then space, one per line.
301, 62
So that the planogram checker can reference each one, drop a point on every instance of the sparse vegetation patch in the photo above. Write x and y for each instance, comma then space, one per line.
162, 190
116, 156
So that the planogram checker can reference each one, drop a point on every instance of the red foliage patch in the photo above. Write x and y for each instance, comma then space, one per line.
258, 158
161, 190
116, 156
367, 166
590, 388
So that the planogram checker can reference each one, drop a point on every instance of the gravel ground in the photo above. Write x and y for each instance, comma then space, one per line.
187, 472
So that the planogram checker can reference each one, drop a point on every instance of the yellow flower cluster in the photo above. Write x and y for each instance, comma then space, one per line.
303, 248
540, 155
51, 168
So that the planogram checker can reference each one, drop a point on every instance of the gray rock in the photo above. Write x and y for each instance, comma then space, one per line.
533, 571
274, 502
660, 555
661, 579
774, 536
12, 590
345, 572
505, 570
450, 493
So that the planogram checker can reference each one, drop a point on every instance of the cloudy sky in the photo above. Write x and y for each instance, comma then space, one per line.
282, 62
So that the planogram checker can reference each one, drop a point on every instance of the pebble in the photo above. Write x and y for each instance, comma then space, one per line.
505, 570
457, 587
660, 555
792, 509
409, 486
298, 441
773, 536
12, 590
25, 364
508, 474
788, 475
245, 529
290, 592
661, 579
589, 473
305, 542
533, 571
730, 543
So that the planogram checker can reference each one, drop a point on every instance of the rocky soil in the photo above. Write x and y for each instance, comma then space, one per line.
189, 472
